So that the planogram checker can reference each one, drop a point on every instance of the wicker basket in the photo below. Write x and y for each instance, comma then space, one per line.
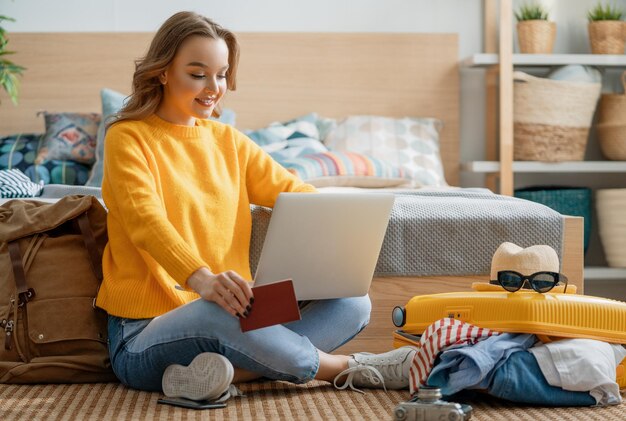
552, 118
610, 204
612, 107
573, 201
612, 140
536, 36
607, 36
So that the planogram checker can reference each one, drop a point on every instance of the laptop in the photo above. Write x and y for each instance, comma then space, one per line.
327, 243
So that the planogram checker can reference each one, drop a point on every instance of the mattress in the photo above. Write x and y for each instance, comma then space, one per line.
447, 232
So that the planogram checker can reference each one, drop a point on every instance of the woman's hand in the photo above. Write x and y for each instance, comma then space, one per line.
227, 289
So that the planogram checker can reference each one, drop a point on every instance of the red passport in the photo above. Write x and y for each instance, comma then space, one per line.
273, 304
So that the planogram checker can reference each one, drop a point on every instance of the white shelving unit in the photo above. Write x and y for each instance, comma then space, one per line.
548, 60
499, 63
548, 167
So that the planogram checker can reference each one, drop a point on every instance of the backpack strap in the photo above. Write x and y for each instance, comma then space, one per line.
90, 243
18, 270
23, 294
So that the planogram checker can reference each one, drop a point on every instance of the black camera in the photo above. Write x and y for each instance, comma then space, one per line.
427, 406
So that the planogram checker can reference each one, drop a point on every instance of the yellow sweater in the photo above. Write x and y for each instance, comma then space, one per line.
178, 199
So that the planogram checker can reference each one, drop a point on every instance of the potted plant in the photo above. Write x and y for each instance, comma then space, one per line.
607, 31
8, 70
535, 33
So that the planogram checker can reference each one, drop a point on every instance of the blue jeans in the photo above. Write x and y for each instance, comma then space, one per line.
141, 349
520, 380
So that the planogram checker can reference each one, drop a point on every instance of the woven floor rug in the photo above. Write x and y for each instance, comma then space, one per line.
264, 401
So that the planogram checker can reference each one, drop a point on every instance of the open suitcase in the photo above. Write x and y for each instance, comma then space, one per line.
550, 316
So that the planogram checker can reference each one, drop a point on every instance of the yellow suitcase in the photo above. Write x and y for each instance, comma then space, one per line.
550, 316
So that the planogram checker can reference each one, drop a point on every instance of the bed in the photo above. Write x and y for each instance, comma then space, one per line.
283, 76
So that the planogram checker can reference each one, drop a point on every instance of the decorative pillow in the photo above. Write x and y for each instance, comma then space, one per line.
20, 150
70, 136
411, 143
345, 169
112, 102
290, 139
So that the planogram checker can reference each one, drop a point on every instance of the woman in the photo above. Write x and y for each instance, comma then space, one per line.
178, 187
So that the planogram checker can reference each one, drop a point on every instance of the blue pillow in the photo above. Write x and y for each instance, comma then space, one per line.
112, 102
227, 116
20, 151
290, 139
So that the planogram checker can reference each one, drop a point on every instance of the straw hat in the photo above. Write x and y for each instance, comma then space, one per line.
526, 261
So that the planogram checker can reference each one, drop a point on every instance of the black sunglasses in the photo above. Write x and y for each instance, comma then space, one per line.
539, 281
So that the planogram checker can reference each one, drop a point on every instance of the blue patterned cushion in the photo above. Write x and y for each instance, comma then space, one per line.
20, 151
290, 139
70, 136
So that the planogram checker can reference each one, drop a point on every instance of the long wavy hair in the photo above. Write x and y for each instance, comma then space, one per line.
147, 89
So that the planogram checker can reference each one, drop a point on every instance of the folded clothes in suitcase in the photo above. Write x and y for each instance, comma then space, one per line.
550, 316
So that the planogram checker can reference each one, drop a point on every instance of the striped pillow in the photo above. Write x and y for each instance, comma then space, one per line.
345, 169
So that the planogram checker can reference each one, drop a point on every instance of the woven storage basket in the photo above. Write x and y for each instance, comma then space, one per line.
536, 36
552, 118
612, 124
612, 140
610, 204
573, 201
607, 36
612, 107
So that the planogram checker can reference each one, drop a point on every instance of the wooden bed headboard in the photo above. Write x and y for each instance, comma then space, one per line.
281, 76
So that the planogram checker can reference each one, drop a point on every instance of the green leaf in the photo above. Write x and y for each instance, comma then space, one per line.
11, 84
531, 11
605, 12
9, 71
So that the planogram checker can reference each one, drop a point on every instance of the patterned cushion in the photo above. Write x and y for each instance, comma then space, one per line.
290, 139
70, 136
345, 169
19, 151
412, 143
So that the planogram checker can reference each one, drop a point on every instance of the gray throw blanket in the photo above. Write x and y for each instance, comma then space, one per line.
448, 232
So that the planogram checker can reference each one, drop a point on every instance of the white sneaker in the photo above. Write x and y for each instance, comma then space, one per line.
388, 371
207, 377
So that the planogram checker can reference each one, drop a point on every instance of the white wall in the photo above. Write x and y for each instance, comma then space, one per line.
462, 16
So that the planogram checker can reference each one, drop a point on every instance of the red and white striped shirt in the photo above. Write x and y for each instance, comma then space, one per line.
439, 336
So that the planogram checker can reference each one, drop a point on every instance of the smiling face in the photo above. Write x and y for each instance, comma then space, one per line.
195, 80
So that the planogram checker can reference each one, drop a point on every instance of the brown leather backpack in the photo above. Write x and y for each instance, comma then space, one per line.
50, 272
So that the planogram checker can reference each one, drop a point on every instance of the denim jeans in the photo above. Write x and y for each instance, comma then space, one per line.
141, 349
520, 380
